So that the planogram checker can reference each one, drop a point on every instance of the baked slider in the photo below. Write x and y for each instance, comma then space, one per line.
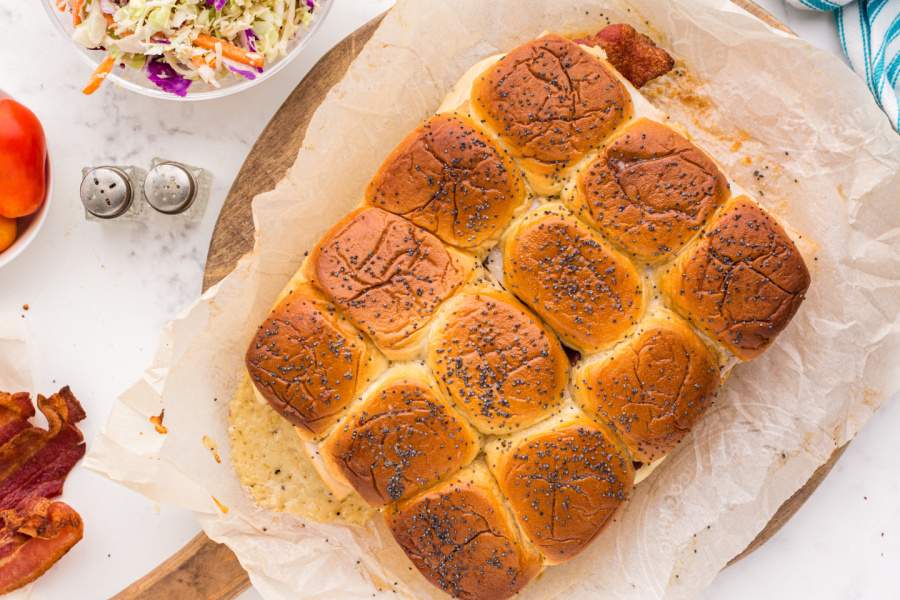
649, 191
388, 275
402, 438
461, 537
477, 349
563, 479
495, 360
551, 102
308, 362
587, 292
451, 179
652, 388
741, 282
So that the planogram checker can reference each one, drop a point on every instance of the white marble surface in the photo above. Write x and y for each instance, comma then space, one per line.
99, 294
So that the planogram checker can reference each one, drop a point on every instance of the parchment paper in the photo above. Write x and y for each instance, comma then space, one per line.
787, 121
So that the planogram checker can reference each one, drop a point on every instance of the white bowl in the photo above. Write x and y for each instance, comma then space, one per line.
136, 81
29, 226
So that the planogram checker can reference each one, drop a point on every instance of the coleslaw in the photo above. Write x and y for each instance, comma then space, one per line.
180, 42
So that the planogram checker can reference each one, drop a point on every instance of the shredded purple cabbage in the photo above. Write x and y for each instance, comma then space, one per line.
217, 4
250, 37
166, 78
310, 4
242, 72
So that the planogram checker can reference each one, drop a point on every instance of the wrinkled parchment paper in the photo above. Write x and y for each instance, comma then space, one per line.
15, 355
787, 121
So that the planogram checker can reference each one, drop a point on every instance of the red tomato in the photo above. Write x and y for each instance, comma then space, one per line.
23, 160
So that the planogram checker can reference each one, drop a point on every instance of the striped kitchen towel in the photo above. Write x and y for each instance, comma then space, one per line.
870, 36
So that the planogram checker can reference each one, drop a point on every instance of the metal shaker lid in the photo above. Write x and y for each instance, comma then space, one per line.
106, 192
170, 188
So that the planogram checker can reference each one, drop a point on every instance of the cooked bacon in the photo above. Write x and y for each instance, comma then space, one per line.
34, 462
634, 54
34, 531
33, 537
15, 410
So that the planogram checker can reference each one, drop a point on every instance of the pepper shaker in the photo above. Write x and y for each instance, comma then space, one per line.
170, 188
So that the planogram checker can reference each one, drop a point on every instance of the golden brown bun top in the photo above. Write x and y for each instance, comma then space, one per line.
563, 484
305, 360
651, 389
551, 101
451, 179
650, 191
587, 292
401, 440
462, 539
742, 282
496, 361
388, 275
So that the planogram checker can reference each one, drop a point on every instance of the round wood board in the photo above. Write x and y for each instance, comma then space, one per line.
203, 569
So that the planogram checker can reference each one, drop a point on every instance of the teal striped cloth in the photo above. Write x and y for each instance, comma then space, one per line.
870, 36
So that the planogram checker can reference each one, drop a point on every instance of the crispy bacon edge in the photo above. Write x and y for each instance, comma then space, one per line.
33, 537
634, 54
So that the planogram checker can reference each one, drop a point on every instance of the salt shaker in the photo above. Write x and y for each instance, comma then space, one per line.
108, 192
170, 188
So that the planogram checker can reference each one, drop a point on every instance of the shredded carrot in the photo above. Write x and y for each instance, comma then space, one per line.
109, 19
62, 5
77, 5
99, 75
229, 50
208, 60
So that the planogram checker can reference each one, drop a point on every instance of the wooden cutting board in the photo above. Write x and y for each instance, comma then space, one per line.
203, 569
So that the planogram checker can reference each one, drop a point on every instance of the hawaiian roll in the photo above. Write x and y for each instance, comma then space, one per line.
499, 365
388, 275
563, 479
400, 439
451, 179
587, 292
462, 538
649, 191
742, 282
551, 102
652, 388
308, 362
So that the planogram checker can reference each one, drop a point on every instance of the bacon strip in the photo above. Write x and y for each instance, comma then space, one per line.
33, 537
34, 462
15, 410
634, 54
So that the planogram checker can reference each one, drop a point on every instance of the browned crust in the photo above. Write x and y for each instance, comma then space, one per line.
497, 362
742, 282
652, 389
633, 54
306, 361
650, 191
462, 539
563, 485
401, 440
588, 293
551, 101
451, 179
388, 275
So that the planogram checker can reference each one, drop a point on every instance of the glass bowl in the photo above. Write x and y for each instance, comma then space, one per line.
136, 81
29, 226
